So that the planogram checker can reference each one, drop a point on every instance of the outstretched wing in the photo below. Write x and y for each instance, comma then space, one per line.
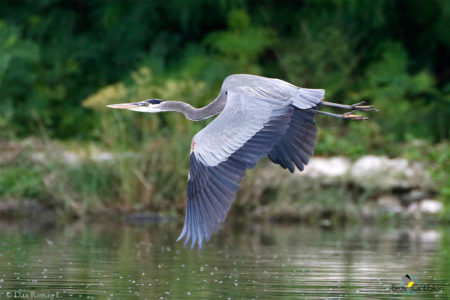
244, 132
297, 145
272, 88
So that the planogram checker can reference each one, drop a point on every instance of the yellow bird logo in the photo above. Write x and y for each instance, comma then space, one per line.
410, 284
408, 281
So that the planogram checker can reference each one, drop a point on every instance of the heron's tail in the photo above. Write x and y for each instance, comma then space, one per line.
308, 98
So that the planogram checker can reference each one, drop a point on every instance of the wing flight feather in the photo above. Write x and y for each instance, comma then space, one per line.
244, 132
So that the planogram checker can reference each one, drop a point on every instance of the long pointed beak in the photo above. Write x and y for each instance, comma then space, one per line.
123, 105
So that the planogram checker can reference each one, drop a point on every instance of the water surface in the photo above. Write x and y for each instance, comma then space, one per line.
116, 261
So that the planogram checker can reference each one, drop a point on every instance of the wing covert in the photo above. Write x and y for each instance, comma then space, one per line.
272, 88
246, 131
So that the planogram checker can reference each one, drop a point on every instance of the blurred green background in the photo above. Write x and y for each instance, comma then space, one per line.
61, 62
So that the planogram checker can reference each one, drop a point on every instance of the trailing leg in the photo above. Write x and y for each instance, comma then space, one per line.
356, 107
346, 116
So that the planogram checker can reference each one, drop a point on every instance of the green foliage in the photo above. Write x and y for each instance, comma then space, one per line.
14, 49
18, 57
439, 158
242, 43
62, 62
319, 58
408, 101
92, 183
352, 141
21, 182
54, 54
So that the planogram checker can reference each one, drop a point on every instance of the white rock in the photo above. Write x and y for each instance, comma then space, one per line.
427, 206
70, 157
102, 156
413, 208
373, 172
39, 157
431, 206
327, 167
384, 173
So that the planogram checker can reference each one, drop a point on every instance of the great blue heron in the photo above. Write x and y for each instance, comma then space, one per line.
258, 117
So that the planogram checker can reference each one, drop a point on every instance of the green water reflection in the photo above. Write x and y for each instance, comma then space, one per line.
113, 261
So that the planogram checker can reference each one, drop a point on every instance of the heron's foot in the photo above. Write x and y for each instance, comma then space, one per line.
361, 107
346, 116
352, 116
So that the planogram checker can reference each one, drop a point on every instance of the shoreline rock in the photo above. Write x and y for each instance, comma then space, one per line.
373, 172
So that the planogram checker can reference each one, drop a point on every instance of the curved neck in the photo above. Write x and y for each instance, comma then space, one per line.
192, 113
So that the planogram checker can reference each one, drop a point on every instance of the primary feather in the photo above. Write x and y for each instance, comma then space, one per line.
262, 117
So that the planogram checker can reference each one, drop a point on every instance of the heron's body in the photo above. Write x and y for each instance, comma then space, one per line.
258, 117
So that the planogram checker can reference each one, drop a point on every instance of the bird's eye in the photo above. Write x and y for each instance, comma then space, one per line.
153, 101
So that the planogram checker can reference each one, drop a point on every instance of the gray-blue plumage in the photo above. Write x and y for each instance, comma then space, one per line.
298, 144
214, 179
261, 117
258, 117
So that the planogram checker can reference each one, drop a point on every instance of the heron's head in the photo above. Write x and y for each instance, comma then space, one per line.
150, 105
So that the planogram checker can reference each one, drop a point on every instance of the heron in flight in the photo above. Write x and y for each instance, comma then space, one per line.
257, 117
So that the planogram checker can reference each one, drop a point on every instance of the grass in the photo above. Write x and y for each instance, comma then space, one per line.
137, 165
22, 181
146, 179
150, 175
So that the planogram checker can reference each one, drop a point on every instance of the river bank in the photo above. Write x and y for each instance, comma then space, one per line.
51, 180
